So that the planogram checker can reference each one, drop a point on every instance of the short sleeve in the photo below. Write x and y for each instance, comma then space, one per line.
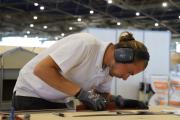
69, 54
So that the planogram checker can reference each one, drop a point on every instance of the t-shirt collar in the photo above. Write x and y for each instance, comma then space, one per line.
101, 54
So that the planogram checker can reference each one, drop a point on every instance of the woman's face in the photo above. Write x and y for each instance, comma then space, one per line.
125, 70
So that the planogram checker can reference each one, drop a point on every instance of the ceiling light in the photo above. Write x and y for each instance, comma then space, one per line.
31, 25
70, 28
45, 26
109, 1
8, 16
91, 12
35, 17
179, 17
36, 4
42, 8
118, 23
137, 13
156, 24
62, 34
79, 19
28, 32
56, 38
164, 4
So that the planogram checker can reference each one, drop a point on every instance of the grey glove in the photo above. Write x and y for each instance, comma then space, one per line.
128, 103
91, 100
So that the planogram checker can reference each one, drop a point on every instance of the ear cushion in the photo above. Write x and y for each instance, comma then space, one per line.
124, 55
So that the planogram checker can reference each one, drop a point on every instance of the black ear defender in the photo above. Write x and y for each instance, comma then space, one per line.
124, 55
127, 54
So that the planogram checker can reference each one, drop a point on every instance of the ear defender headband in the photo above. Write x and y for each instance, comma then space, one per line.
126, 54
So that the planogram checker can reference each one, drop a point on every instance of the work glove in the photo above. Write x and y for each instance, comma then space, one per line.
128, 103
92, 100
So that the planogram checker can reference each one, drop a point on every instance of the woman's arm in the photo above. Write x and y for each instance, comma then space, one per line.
48, 71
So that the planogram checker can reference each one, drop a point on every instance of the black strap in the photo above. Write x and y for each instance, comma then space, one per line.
13, 99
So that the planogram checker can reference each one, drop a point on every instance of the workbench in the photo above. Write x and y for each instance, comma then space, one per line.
103, 115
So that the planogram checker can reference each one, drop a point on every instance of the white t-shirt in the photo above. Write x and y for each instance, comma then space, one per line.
80, 58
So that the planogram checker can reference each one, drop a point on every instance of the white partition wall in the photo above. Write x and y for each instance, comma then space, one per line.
157, 43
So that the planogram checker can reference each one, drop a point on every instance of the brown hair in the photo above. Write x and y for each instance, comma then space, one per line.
126, 39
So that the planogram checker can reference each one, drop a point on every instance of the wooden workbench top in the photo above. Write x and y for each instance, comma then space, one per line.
71, 115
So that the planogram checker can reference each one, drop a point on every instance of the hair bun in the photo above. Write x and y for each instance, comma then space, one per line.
126, 36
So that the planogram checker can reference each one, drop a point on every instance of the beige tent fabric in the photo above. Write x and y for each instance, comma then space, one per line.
33, 49
15, 58
175, 58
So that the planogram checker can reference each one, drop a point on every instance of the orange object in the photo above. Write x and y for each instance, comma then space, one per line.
110, 106
174, 103
161, 85
18, 118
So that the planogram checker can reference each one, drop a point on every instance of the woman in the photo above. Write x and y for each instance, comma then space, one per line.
75, 65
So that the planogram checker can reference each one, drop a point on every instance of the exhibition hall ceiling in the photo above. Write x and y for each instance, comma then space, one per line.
47, 18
